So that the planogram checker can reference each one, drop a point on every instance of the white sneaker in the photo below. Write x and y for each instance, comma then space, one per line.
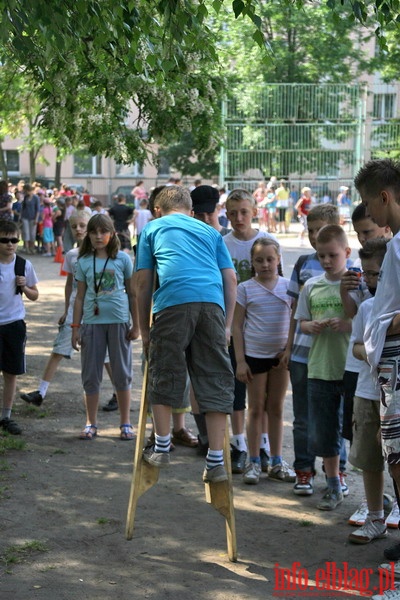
393, 518
392, 567
389, 594
371, 530
252, 473
304, 483
282, 472
358, 517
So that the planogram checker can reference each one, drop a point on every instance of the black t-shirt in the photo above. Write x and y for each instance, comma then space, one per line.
121, 213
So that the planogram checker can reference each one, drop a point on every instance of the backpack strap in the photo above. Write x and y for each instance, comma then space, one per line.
19, 269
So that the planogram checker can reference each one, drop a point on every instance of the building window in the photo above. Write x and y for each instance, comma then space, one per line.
131, 170
384, 107
85, 164
163, 166
11, 158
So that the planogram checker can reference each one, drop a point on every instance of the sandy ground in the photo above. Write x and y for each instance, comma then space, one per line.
63, 505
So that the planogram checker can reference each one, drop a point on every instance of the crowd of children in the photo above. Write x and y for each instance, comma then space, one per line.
222, 306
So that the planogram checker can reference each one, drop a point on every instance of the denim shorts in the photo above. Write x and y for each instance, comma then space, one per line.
190, 337
325, 411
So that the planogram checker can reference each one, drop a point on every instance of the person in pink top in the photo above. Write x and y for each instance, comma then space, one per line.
48, 234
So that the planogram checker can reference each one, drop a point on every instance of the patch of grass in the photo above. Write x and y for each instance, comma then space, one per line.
305, 523
4, 466
59, 451
3, 492
16, 554
9, 442
103, 521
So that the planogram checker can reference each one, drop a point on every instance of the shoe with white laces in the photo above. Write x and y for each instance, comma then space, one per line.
282, 472
393, 518
393, 594
304, 483
371, 530
252, 473
359, 516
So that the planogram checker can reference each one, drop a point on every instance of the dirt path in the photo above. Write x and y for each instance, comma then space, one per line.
63, 505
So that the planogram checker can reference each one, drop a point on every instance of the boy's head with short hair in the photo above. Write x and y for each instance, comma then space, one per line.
333, 251
318, 217
378, 183
143, 203
174, 198
8, 231
372, 255
241, 208
365, 227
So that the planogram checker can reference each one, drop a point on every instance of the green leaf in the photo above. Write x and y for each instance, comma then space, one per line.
238, 7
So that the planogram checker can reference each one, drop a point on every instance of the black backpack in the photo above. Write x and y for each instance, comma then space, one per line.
19, 269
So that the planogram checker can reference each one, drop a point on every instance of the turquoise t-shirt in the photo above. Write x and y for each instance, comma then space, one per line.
189, 256
111, 299
320, 299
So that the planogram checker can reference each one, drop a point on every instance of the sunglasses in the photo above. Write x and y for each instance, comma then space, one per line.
5, 240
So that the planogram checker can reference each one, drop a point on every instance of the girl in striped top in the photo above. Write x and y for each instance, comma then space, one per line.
260, 332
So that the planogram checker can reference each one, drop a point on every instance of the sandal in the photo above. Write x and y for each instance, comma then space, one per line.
126, 432
89, 433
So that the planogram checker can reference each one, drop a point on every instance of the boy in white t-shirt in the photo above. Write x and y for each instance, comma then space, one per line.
366, 451
12, 315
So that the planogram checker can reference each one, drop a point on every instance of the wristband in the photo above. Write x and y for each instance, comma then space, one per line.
73, 325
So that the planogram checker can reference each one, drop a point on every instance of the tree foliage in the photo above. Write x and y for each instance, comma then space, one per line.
93, 60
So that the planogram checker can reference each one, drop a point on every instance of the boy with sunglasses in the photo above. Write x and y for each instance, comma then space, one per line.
12, 314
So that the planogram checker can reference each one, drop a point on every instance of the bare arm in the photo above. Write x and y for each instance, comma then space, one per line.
394, 327
292, 329
133, 307
243, 372
349, 282
31, 292
359, 352
230, 286
67, 297
78, 312
144, 289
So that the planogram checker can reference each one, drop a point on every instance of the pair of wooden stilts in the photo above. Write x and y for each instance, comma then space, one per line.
219, 495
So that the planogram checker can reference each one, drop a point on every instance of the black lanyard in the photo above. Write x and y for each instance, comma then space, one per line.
97, 285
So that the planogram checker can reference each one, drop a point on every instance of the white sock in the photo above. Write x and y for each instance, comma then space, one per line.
375, 514
214, 458
264, 443
43, 387
163, 443
6, 413
239, 441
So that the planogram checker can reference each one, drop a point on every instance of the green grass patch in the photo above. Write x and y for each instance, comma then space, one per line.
8, 442
17, 554
305, 523
103, 521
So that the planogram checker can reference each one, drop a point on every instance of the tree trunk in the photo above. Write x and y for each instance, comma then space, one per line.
57, 176
32, 165
3, 164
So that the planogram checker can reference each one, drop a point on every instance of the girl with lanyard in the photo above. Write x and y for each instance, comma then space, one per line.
106, 301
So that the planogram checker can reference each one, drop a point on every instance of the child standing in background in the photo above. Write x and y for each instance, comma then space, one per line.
321, 314
105, 299
12, 314
260, 332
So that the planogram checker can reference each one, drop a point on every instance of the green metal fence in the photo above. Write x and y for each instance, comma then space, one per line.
316, 135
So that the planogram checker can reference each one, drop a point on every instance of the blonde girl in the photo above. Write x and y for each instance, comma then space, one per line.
260, 331
106, 302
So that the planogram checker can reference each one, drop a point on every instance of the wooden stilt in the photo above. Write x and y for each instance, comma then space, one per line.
220, 496
144, 475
